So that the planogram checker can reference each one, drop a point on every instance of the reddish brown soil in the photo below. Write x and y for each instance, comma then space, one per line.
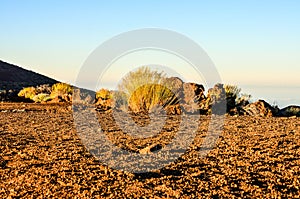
42, 156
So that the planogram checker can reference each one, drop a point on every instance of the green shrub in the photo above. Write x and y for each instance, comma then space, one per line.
143, 89
27, 93
42, 97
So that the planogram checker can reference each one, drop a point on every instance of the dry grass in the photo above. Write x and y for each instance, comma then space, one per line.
144, 88
60, 89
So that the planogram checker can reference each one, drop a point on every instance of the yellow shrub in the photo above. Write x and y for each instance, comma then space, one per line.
143, 89
146, 97
27, 93
135, 79
61, 89
41, 97
103, 94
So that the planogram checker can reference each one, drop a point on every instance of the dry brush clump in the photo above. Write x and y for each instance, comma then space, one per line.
143, 90
43, 93
62, 90
149, 96
42, 97
104, 99
28, 92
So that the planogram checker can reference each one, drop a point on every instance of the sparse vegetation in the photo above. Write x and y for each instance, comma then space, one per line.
42, 97
28, 93
45, 93
148, 96
232, 91
216, 94
138, 78
143, 89
104, 94
61, 89
104, 99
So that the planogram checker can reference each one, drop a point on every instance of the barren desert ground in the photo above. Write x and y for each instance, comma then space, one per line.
42, 156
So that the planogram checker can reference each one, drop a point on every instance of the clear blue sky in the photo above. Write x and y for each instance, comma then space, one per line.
252, 43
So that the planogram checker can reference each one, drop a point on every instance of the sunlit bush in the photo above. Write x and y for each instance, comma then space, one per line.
45, 93
103, 94
232, 91
143, 89
61, 89
148, 96
27, 93
104, 99
42, 97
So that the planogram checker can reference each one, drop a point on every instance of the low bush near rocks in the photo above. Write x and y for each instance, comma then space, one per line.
43, 93
104, 99
144, 89
147, 97
61, 92
243, 99
231, 91
28, 93
103, 94
61, 89
42, 97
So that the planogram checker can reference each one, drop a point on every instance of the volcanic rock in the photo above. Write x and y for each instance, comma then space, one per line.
193, 96
260, 108
290, 111
150, 149
193, 93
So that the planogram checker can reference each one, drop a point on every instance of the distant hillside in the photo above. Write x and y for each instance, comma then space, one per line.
13, 77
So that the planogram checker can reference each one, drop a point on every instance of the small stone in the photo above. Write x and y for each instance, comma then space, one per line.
151, 148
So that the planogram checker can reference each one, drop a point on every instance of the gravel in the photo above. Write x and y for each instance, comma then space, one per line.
41, 155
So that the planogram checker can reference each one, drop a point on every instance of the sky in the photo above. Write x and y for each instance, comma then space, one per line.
253, 44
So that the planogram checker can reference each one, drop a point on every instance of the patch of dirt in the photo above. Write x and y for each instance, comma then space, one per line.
41, 156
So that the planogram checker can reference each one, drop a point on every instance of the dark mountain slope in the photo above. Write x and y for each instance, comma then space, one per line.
13, 77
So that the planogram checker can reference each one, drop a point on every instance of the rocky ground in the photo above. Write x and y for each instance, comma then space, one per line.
41, 156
